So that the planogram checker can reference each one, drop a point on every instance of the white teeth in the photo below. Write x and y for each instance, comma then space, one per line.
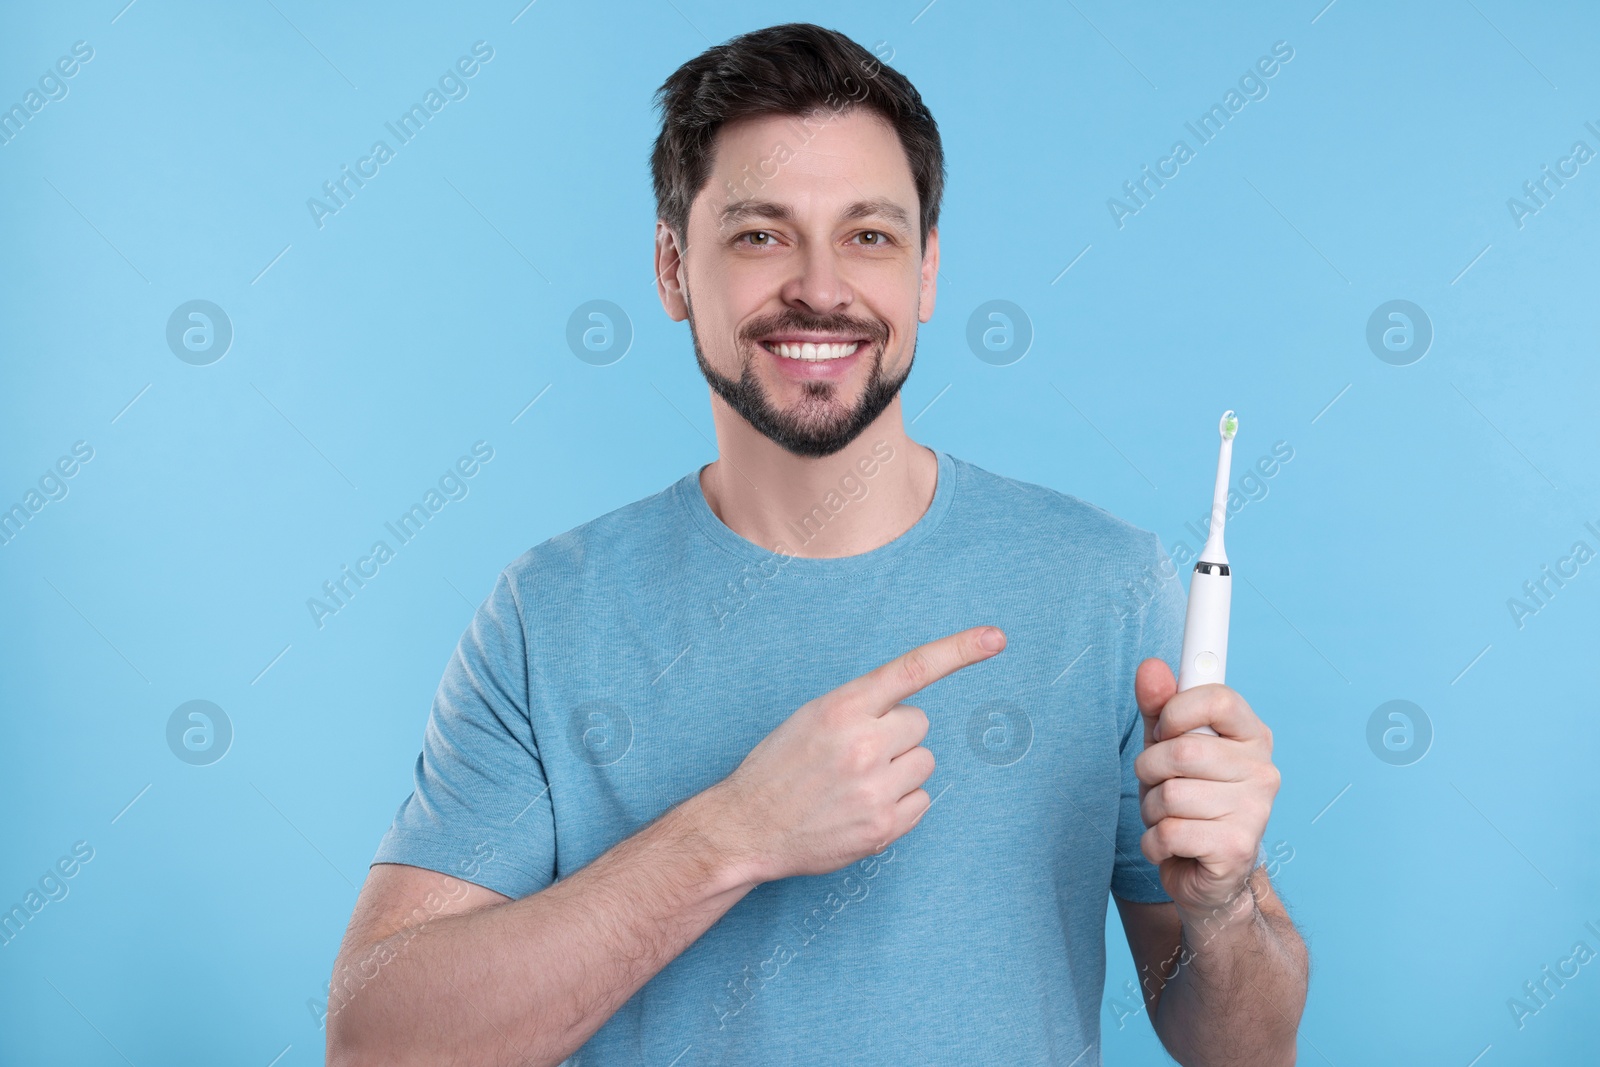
812, 353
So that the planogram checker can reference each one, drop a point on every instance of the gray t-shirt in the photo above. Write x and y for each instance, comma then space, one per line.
634, 661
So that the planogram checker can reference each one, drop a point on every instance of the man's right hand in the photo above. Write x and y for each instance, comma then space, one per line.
841, 777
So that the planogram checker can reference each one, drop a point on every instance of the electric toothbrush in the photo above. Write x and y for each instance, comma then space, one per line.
1205, 625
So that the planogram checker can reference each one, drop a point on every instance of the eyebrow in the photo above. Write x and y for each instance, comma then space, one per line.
881, 207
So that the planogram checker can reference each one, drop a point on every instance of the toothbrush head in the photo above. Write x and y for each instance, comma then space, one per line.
1229, 425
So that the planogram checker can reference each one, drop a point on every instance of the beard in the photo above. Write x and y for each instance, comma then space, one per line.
817, 426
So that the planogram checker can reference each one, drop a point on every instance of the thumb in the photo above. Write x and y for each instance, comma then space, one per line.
1153, 686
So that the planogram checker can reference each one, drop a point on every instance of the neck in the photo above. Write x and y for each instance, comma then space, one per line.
819, 507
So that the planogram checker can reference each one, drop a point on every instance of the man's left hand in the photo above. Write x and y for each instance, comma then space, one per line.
1205, 799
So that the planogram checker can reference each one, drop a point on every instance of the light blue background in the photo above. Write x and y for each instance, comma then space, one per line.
429, 312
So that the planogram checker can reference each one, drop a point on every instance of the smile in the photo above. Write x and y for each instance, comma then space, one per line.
811, 352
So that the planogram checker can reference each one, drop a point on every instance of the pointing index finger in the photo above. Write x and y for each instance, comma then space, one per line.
895, 681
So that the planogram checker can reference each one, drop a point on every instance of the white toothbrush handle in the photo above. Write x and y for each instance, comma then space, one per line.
1205, 630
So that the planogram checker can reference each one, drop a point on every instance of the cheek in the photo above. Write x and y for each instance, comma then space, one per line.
727, 294
903, 318
710, 316
751, 289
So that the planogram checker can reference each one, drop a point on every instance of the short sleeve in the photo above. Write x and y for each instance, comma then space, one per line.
1158, 632
480, 804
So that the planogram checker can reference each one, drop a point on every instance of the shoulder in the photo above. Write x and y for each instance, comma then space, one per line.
1048, 519
619, 541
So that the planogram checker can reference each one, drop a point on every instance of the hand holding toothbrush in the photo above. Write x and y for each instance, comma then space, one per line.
1205, 799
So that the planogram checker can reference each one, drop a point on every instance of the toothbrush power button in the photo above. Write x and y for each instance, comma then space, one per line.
1206, 663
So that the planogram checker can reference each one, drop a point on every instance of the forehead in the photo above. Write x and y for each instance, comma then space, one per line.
824, 158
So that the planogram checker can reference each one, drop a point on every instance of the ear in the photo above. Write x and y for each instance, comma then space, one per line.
669, 272
929, 288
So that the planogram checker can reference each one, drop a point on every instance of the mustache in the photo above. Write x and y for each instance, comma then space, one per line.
874, 331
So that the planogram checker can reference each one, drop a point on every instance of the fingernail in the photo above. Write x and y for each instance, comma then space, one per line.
991, 639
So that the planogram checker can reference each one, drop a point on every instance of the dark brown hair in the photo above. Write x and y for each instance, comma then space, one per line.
793, 69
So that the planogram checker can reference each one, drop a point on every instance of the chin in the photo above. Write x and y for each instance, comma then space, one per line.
844, 418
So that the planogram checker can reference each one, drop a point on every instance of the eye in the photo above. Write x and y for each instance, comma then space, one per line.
881, 239
756, 233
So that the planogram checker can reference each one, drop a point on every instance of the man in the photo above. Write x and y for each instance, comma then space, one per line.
672, 805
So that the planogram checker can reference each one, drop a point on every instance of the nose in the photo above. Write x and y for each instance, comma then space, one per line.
818, 284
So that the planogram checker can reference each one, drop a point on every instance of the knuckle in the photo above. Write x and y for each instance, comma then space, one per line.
916, 668
1219, 700
1187, 751
860, 754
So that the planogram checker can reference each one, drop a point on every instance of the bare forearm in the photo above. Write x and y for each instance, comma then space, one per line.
1239, 987
529, 981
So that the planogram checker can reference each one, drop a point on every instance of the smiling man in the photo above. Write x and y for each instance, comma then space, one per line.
673, 805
